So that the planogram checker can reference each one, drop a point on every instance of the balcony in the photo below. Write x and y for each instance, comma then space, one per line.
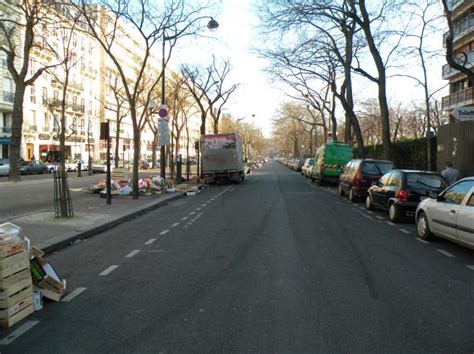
467, 61
460, 29
8, 96
458, 99
76, 85
77, 107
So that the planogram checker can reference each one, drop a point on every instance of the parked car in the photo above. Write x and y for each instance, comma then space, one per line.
100, 166
34, 166
359, 175
329, 161
298, 164
400, 191
72, 165
449, 214
4, 167
307, 166
145, 165
52, 167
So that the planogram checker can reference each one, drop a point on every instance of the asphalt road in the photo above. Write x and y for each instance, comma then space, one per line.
275, 264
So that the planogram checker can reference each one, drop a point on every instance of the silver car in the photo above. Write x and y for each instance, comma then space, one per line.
449, 215
4, 167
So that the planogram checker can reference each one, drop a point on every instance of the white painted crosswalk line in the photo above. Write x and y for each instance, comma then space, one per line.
109, 270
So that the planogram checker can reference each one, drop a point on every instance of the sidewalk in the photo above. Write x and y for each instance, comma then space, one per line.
91, 216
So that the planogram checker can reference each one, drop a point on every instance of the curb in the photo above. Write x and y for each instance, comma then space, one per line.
108, 225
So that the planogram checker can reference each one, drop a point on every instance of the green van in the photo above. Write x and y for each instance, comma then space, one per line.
329, 162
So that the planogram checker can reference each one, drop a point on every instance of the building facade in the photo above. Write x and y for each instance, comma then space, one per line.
461, 91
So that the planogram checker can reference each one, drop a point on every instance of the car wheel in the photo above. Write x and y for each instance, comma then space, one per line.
423, 227
394, 213
352, 197
340, 190
369, 205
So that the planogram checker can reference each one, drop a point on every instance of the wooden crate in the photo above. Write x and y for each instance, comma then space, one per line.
13, 259
12, 279
23, 263
15, 293
10, 248
17, 317
9, 311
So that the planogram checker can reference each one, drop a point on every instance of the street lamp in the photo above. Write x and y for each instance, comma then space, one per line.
212, 25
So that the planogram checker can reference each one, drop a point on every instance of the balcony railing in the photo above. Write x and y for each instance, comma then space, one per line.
8, 96
6, 130
76, 85
77, 107
461, 28
458, 98
467, 61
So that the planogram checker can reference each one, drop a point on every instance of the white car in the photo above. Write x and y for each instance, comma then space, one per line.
307, 167
4, 167
101, 166
449, 215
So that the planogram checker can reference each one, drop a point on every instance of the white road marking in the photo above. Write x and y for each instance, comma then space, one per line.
446, 253
390, 223
18, 332
404, 231
175, 224
370, 212
109, 270
73, 294
185, 218
164, 232
422, 241
471, 267
379, 217
192, 213
198, 208
150, 241
203, 205
132, 254
366, 216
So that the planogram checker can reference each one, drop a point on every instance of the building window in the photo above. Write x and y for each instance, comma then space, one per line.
32, 94
45, 96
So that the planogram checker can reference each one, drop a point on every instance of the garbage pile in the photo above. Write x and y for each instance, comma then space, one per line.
25, 277
146, 186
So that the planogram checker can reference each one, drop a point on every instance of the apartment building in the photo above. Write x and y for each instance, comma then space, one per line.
93, 83
461, 91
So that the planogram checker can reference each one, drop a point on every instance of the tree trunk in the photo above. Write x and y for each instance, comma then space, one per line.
63, 193
17, 125
117, 140
154, 146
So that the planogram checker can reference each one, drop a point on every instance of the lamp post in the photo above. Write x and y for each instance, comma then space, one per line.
212, 25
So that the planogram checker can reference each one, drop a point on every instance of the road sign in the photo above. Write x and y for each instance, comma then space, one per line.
163, 132
163, 111
463, 113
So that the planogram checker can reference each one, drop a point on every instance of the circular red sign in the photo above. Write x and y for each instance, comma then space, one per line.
163, 112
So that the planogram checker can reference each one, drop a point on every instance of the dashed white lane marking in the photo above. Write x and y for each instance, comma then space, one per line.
422, 241
109, 270
390, 223
164, 232
379, 217
203, 205
175, 224
150, 241
185, 218
404, 231
18, 332
471, 267
446, 253
73, 294
198, 208
370, 212
132, 254
366, 216
192, 213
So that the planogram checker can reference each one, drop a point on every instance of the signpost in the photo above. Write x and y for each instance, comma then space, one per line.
163, 137
463, 113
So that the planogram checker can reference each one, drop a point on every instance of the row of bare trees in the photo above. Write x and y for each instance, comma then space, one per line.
317, 48
28, 27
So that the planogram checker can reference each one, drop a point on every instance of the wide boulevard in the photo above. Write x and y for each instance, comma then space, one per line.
273, 264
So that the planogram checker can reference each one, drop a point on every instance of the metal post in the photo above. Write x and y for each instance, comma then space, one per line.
163, 147
109, 177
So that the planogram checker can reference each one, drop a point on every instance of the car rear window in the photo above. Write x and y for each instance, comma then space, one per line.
425, 180
376, 168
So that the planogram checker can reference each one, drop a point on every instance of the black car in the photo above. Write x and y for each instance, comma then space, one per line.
34, 166
400, 191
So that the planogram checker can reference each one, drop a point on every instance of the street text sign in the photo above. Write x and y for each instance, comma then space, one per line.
464, 113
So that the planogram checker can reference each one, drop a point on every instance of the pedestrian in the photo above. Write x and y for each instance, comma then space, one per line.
450, 174
79, 168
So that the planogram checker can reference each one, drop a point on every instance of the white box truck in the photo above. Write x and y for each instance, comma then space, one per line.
222, 158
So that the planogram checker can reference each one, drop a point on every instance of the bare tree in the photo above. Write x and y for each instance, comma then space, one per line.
148, 24
210, 89
21, 31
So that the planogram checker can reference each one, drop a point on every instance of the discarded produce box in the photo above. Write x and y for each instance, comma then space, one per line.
45, 278
15, 280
